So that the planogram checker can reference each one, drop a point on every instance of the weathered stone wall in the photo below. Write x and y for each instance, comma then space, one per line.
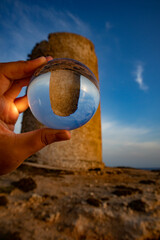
84, 150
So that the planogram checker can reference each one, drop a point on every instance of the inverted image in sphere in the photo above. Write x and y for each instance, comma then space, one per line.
63, 94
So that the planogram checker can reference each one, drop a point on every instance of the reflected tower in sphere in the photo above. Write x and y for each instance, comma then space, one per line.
84, 150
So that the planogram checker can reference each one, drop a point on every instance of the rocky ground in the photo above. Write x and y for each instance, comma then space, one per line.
108, 204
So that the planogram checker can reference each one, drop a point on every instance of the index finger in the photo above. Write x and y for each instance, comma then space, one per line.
21, 69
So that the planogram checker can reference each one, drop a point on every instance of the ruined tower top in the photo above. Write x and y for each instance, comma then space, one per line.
67, 45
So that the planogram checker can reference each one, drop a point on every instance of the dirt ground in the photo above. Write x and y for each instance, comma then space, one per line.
100, 204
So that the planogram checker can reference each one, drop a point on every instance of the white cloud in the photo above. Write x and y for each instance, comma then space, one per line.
129, 146
24, 25
139, 77
108, 26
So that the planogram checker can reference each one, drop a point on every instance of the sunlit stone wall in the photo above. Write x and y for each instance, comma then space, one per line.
84, 150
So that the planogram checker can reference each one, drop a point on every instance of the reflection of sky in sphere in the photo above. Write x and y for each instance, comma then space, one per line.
39, 101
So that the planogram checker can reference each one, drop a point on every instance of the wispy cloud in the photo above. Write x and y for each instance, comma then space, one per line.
108, 25
23, 25
139, 77
79, 23
129, 145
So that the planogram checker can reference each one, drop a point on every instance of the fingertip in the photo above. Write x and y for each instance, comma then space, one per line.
42, 60
21, 103
68, 134
49, 58
39, 59
62, 136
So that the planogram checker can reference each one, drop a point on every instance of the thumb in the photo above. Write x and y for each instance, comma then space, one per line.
15, 148
31, 142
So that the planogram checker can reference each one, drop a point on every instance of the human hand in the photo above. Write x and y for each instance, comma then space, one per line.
15, 148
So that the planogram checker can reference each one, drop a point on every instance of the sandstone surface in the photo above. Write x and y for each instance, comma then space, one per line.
84, 150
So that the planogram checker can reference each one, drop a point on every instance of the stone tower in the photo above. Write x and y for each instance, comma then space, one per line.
84, 150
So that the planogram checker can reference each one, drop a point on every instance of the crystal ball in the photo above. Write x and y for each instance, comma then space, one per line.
63, 94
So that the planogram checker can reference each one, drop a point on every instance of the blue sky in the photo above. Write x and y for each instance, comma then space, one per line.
126, 36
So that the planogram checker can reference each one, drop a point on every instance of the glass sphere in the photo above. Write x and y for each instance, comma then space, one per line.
63, 94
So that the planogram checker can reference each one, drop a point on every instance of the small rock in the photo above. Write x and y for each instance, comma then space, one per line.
89, 185
94, 169
3, 201
91, 194
108, 172
118, 172
7, 189
124, 191
94, 202
54, 197
10, 236
25, 184
137, 205
35, 199
47, 196
42, 215
104, 205
54, 217
105, 198
147, 182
